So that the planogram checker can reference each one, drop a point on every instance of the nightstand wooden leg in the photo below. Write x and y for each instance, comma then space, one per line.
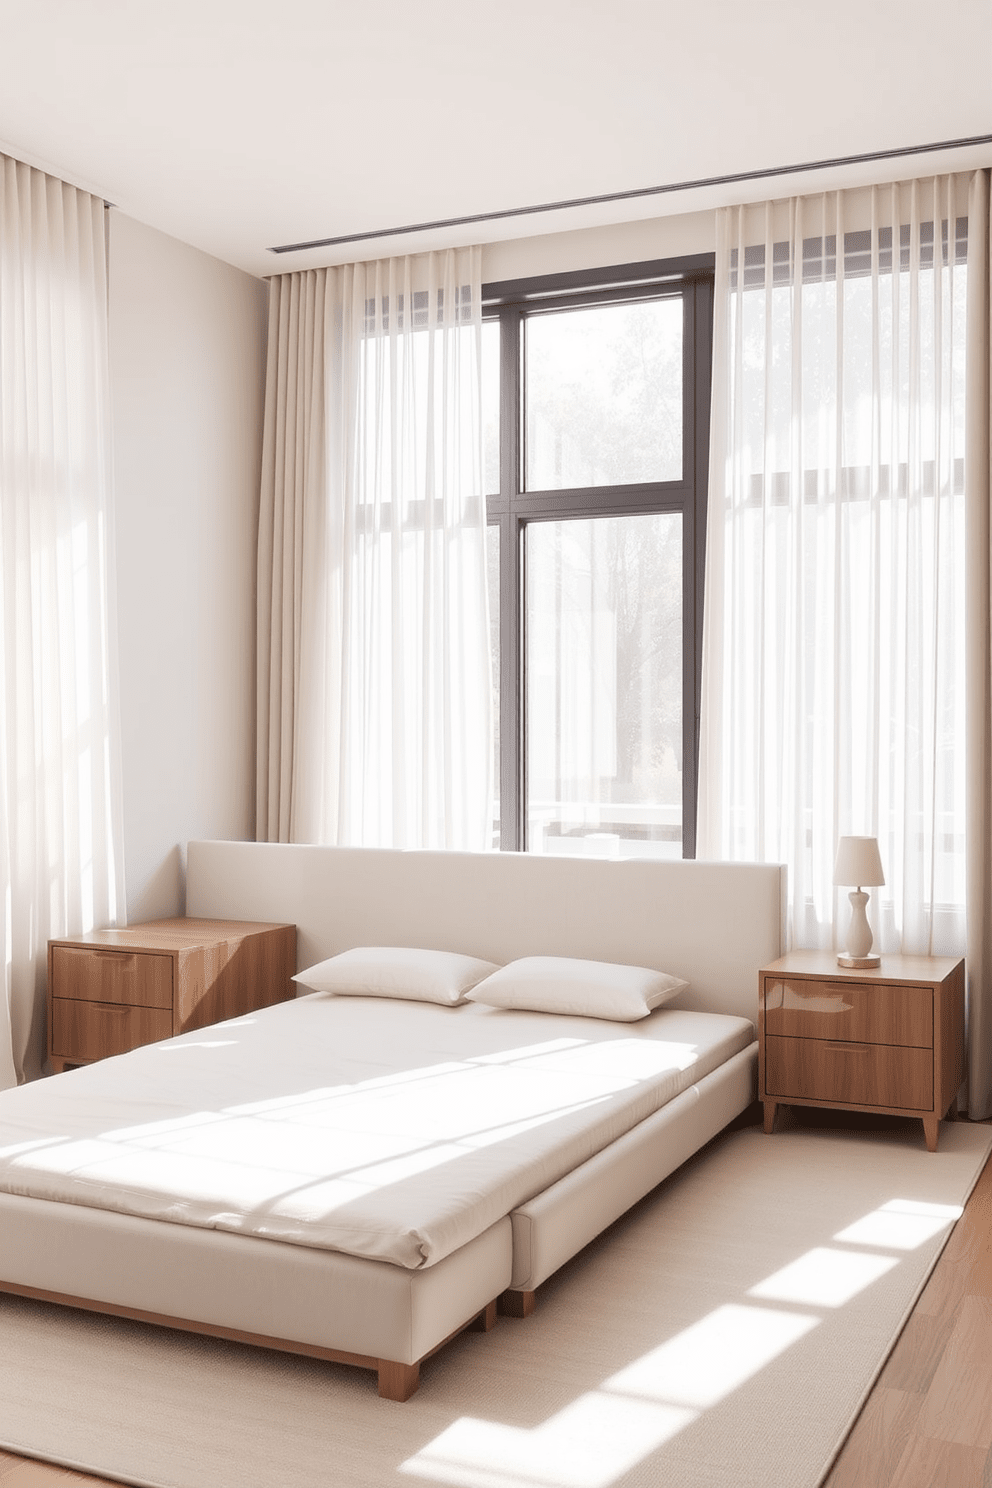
770, 1108
931, 1130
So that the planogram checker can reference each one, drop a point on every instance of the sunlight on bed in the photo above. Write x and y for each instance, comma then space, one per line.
205, 1044
374, 1157
35, 1144
397, 1125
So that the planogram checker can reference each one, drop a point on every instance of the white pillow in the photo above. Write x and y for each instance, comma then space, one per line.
592, 989
397, 971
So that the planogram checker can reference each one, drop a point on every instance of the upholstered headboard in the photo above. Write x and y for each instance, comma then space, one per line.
713, 923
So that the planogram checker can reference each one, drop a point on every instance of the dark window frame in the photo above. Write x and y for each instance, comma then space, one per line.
513, 508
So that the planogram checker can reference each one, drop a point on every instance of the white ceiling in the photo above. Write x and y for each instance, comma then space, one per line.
236, 125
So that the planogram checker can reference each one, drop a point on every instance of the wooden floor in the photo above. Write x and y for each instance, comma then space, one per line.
928, 1421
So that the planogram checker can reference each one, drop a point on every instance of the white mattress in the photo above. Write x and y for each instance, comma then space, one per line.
392, 1130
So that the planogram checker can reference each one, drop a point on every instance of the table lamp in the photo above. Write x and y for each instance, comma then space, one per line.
858, 862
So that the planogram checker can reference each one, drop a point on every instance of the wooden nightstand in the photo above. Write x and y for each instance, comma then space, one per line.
111, 990
889, 1040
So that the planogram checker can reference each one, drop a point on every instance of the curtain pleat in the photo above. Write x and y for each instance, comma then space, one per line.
978, 601
374, 664
292, 476
834, 632
61, 858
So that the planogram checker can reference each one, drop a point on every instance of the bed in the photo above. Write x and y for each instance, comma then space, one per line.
294, 1265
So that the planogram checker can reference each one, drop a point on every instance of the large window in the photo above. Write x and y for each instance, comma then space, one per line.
596, 394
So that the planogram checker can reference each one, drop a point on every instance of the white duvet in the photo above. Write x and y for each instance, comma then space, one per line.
394, 1130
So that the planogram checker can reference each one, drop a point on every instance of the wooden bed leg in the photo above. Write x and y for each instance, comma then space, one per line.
517, 1304
397, 1381
486, 1319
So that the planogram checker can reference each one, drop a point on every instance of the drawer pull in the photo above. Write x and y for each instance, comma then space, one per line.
111, 1009
848, 1048
119, 956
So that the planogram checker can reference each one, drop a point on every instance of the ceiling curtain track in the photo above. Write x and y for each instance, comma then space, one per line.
846, 612
374, 670
907, 152
61, 852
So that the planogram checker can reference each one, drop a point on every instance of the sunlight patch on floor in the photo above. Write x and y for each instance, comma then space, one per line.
824, 1277
602, 1435
704, 1363
901, 1224
589, 1444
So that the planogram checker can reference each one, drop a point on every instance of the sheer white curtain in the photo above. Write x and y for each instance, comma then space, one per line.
834, 638
60, 818
374, 660
978, 601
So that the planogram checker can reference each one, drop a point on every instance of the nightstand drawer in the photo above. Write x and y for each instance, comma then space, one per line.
96, 975
849, 1073
82, 1031
882, 1014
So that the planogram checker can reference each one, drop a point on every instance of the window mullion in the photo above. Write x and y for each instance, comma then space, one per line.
697, 383
510, 581
691, 582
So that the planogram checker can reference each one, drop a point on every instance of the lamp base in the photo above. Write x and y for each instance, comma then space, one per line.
861, 962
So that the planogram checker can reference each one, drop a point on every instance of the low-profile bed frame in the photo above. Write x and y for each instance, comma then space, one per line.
712, 923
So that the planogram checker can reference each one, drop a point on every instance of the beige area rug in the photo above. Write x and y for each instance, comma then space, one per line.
725, 1332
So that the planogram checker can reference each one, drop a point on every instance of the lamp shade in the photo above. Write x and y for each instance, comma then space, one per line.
858, 862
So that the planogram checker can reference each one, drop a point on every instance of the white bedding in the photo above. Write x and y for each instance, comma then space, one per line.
392, 1130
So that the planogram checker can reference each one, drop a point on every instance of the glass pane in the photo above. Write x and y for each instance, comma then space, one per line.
492, 566
603, 616
603, 395
490, 406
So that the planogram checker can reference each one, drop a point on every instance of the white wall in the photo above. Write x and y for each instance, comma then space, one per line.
599, 247
187, 364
